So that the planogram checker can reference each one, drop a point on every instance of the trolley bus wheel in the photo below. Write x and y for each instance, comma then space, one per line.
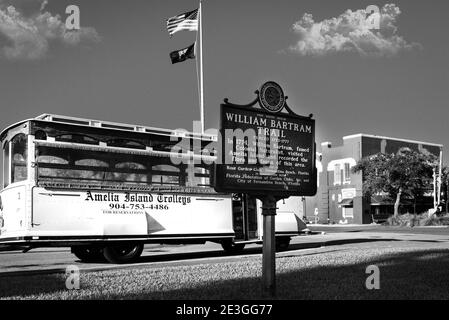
232, 247
88, 253
123, 253
282, 243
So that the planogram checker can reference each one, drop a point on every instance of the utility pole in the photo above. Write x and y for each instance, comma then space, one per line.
440, 180
446, 182
434, 188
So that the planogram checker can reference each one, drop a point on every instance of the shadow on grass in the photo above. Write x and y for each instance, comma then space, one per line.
422, 274
411, 275
24, 284
31, 285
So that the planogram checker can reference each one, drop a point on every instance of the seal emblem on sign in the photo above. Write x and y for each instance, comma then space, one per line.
271, 97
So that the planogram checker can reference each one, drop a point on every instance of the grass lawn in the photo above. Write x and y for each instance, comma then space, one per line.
405, 273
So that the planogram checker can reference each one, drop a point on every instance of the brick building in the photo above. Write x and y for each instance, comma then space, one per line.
340, 198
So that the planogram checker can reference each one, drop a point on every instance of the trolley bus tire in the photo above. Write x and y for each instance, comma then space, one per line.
88, 253
123, 253
282, 243
232, 247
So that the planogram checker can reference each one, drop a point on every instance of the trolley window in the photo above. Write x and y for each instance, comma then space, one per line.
19, 158
62, 164
201, 176
124, 143
6, 164
76, 138
166, 175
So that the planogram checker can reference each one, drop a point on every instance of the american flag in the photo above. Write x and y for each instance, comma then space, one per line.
185, 21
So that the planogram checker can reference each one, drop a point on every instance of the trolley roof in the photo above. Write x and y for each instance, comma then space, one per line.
123, 127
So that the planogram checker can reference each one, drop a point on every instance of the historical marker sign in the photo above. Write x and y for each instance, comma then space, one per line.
269, 154
264, 152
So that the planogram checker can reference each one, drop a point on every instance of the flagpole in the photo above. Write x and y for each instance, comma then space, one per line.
201, 68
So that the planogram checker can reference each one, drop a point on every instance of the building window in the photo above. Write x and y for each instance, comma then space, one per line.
347, 174
337, 174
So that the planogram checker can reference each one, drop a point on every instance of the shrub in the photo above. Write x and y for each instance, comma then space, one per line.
411, 220
401, 220
444, 220
433, 220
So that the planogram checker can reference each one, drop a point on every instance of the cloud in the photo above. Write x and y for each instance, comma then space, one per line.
351, 32
29, 37
43, 5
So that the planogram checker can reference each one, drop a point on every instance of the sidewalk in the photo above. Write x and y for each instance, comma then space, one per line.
331, 239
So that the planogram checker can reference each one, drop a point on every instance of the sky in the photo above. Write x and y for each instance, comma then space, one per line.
391, 82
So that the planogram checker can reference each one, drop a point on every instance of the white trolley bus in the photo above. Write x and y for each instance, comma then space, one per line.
105, 189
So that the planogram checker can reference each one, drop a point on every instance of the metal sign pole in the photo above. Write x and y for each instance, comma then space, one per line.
269, 245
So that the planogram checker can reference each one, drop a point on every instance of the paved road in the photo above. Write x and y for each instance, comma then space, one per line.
57, 259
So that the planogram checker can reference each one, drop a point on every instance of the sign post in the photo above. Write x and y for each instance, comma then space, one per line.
269, 245
267, 154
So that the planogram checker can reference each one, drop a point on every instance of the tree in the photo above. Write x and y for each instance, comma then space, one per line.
405, 173
445, 185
